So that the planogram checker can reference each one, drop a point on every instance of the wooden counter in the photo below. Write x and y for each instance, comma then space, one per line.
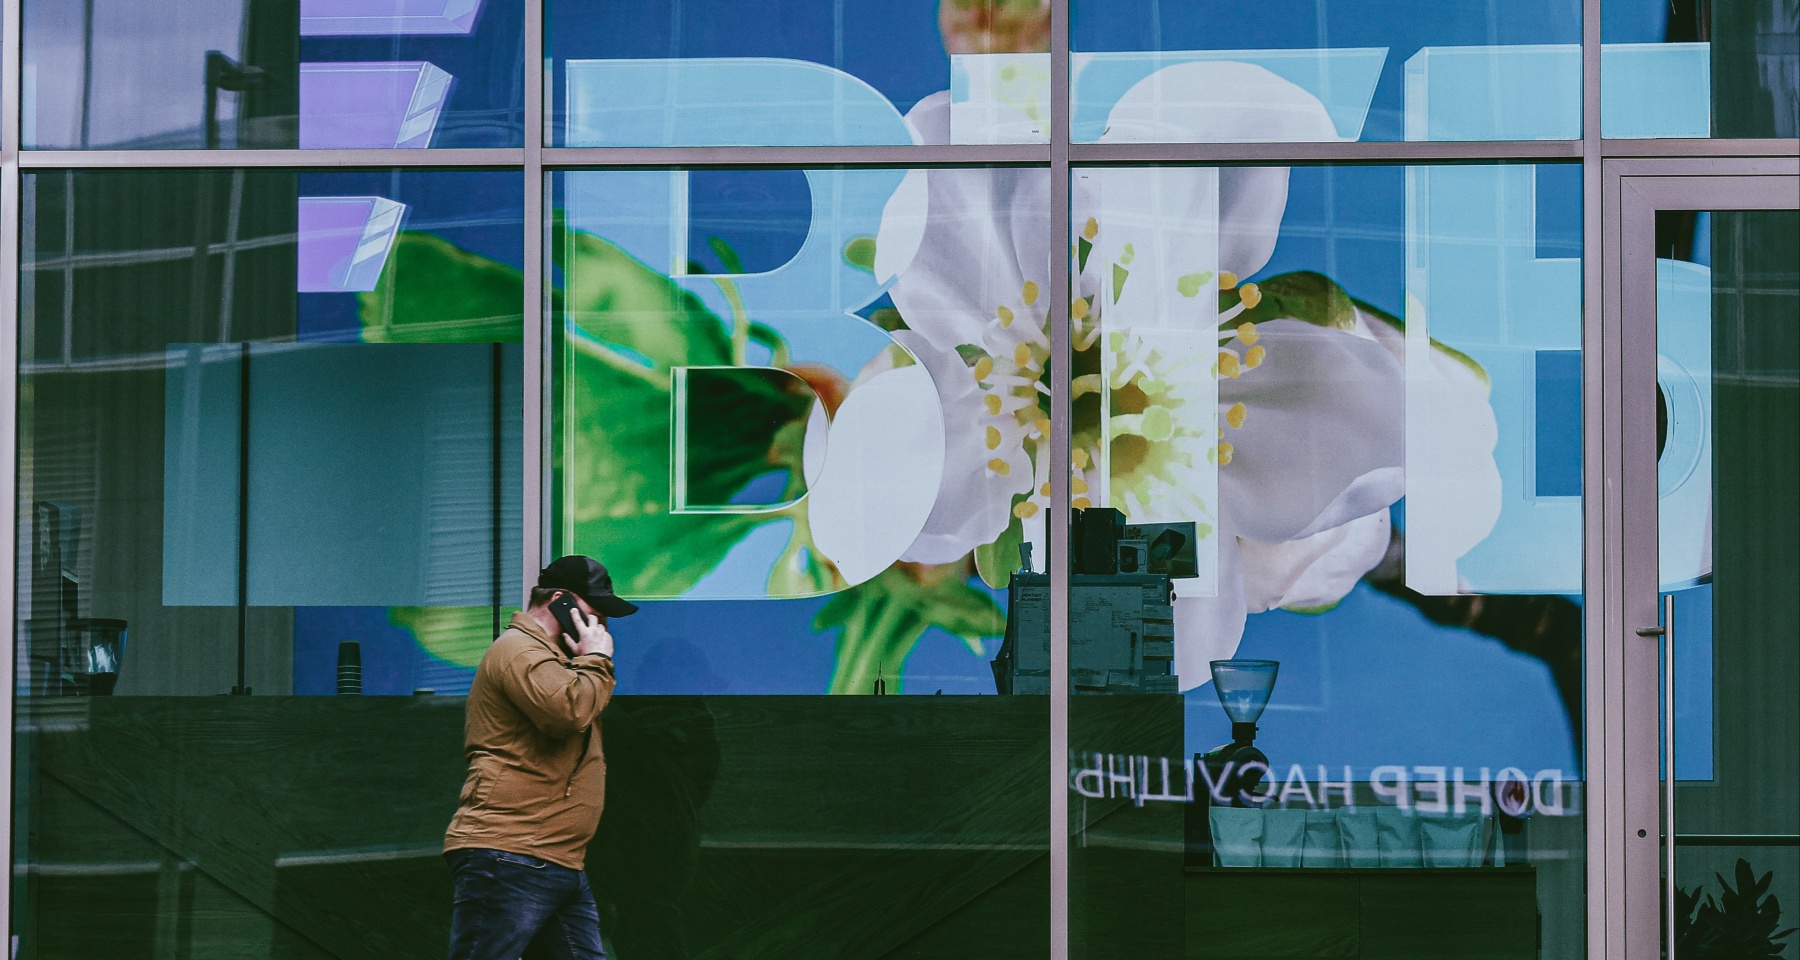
735, 827
814, 828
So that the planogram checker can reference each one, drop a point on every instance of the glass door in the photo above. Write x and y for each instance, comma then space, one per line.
1709, 301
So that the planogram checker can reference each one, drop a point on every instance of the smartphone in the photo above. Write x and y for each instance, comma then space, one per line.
563, 607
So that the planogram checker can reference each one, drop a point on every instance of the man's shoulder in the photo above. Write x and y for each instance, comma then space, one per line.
513, 644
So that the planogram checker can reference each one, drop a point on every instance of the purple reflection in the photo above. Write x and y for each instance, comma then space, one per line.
362, 18
370, 105
344, 242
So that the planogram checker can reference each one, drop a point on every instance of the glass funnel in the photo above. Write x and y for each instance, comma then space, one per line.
1244, 687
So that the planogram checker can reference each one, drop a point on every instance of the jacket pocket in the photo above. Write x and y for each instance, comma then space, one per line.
475, 788
520, 860
513, 791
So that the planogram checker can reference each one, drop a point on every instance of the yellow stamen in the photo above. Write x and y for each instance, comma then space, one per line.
1228, 364
992, 403
984, 368
1022, 354
1026, 510
1043, 426
1045, 489
1225, 450
999, 466
1253, 357
1246, 332
1077, 485
1091, 229
1081, 503
1029, 292
1227, 279
993, 437
1080, 457
1249, 295
1233, 416
1006, 316
1079, 309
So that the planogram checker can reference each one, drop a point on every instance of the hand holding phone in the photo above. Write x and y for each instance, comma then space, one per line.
582, 634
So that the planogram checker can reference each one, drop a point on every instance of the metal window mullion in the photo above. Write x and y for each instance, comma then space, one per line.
10, 26
1056, 519
895, 155
1702, 147
296, 159
535, 352
1602, 703
1334, 152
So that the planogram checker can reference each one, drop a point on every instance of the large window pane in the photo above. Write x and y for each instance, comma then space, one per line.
1339, 434
127, 74
1690, 68
1207, 71
269, 425
1728, 471
808, 460
797, 72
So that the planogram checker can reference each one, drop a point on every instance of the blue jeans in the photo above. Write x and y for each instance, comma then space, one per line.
510, 906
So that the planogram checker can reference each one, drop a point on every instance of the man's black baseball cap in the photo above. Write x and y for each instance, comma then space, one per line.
586, 578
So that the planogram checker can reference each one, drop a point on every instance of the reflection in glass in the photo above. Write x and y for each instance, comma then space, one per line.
1203, 71
1728, 469
770, 422
798, 72
123, 74
253, 461
1244, 687
1339, 390
1688, 69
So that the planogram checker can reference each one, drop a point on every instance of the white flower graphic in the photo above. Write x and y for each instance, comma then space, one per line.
1306, 430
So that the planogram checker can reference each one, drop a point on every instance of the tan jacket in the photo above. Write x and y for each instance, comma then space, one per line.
537, 776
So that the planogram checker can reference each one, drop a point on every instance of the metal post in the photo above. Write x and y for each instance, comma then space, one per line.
1056, 519
10, 24
536, 340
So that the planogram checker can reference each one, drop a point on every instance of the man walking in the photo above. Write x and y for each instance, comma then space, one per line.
537, 777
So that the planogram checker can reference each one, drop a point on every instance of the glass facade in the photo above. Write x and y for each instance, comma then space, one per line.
1698, 69
1101, 478
1378, 461
268, 74
1204, 71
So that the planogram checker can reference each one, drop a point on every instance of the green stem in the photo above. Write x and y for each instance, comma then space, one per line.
740, 320
876, 645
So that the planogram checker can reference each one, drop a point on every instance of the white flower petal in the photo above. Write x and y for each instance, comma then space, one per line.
812, 446
1209, 628
982, 240
1217, 102
881, 475
1252, 201
1156, 225
1314, 571
902, 226
1372, 492
1325, 436
972, 505
930, 119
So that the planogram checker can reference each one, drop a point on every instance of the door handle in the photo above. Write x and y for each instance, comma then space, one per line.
1666, 630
